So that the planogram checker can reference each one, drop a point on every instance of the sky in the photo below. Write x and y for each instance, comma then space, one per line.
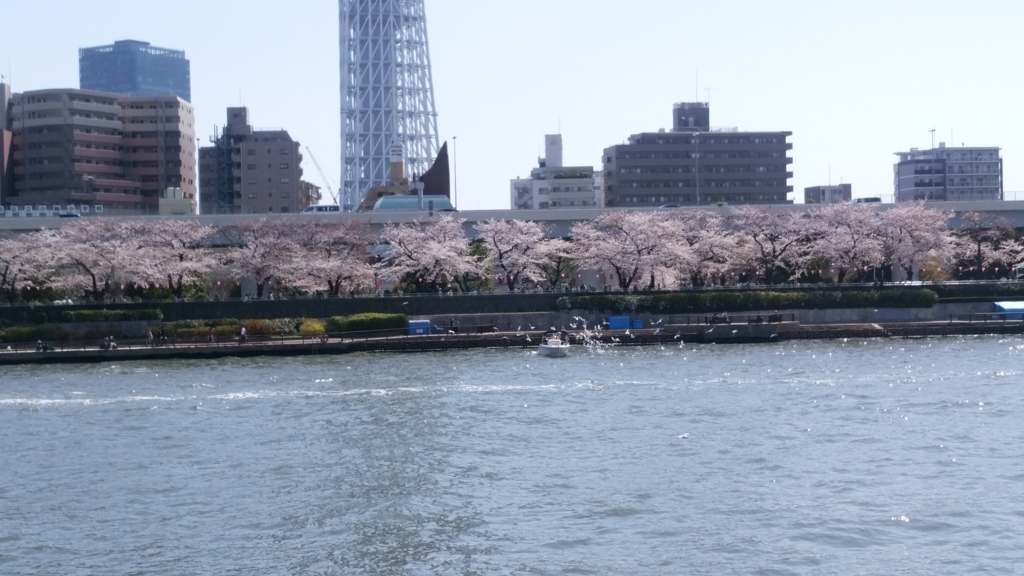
853, 81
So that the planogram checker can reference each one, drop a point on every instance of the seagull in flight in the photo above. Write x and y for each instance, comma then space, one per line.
406, 303
528, 338
531, 327
678, 334
658, 330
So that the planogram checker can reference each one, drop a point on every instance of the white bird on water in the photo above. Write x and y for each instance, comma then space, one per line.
684, 436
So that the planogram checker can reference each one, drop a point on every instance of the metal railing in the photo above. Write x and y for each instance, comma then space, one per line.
985, 317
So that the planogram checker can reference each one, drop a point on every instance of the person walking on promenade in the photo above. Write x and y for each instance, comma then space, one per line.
209, 335
243, 336
149, 338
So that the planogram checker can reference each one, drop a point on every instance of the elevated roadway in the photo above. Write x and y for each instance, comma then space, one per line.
560, 220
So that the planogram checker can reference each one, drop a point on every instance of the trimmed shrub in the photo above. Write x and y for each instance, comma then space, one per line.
259, 327
44, 333
111, 315
284, 326
368, 321
311, 327
729, 301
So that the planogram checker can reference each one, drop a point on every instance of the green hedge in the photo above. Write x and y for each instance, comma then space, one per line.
727, 301
368, 321
110, 315
1007, 290
33, 333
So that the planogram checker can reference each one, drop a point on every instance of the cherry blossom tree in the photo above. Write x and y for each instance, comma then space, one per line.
436, 250
633, 245
176, 253
912, 235
93, 255
333, 255
263, 250
847, 237
20, 264
701, 245
985, 241
516, 247
557, 264
772, 242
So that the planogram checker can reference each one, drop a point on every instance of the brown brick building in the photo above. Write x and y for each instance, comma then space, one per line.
96, 153
250, 171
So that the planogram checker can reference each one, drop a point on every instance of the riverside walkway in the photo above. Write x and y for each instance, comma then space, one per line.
83, 352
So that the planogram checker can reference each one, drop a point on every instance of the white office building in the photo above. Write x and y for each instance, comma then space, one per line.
965, 173
552, 185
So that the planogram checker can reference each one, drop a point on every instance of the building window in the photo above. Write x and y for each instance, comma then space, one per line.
285, 209
252, 180
252, 195
270, 194
286, 194
271, 209
251, 152
284, 165
285, 180
284, 151
250, 166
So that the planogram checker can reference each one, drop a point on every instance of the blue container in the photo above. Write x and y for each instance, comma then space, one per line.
618, 323
417, 327
638, 324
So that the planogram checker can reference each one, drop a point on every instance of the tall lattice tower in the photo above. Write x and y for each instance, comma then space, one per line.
387, 93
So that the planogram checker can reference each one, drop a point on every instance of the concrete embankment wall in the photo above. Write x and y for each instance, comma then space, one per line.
545, 320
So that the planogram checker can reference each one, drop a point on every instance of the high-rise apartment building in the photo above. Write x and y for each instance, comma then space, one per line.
387, 94
831, 194
134, 68
965, 173
696, 164
249, 171
552, 185
97, 153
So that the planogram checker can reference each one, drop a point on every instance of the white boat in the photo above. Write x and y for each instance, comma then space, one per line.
553, 347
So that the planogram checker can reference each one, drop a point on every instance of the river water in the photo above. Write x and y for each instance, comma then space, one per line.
829, 457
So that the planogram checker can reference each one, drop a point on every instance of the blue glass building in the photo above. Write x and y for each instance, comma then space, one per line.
134, 68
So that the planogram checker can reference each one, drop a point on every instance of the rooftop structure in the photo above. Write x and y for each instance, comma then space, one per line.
134, 68
387, 93
968, 173
831, 194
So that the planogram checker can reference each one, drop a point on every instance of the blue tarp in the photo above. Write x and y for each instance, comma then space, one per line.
1013, 310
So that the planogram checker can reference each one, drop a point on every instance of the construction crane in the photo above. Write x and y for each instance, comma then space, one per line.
327, 182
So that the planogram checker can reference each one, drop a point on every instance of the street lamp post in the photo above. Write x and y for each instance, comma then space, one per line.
455, 161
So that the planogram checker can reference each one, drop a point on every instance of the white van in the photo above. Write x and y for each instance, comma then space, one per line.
322, 209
